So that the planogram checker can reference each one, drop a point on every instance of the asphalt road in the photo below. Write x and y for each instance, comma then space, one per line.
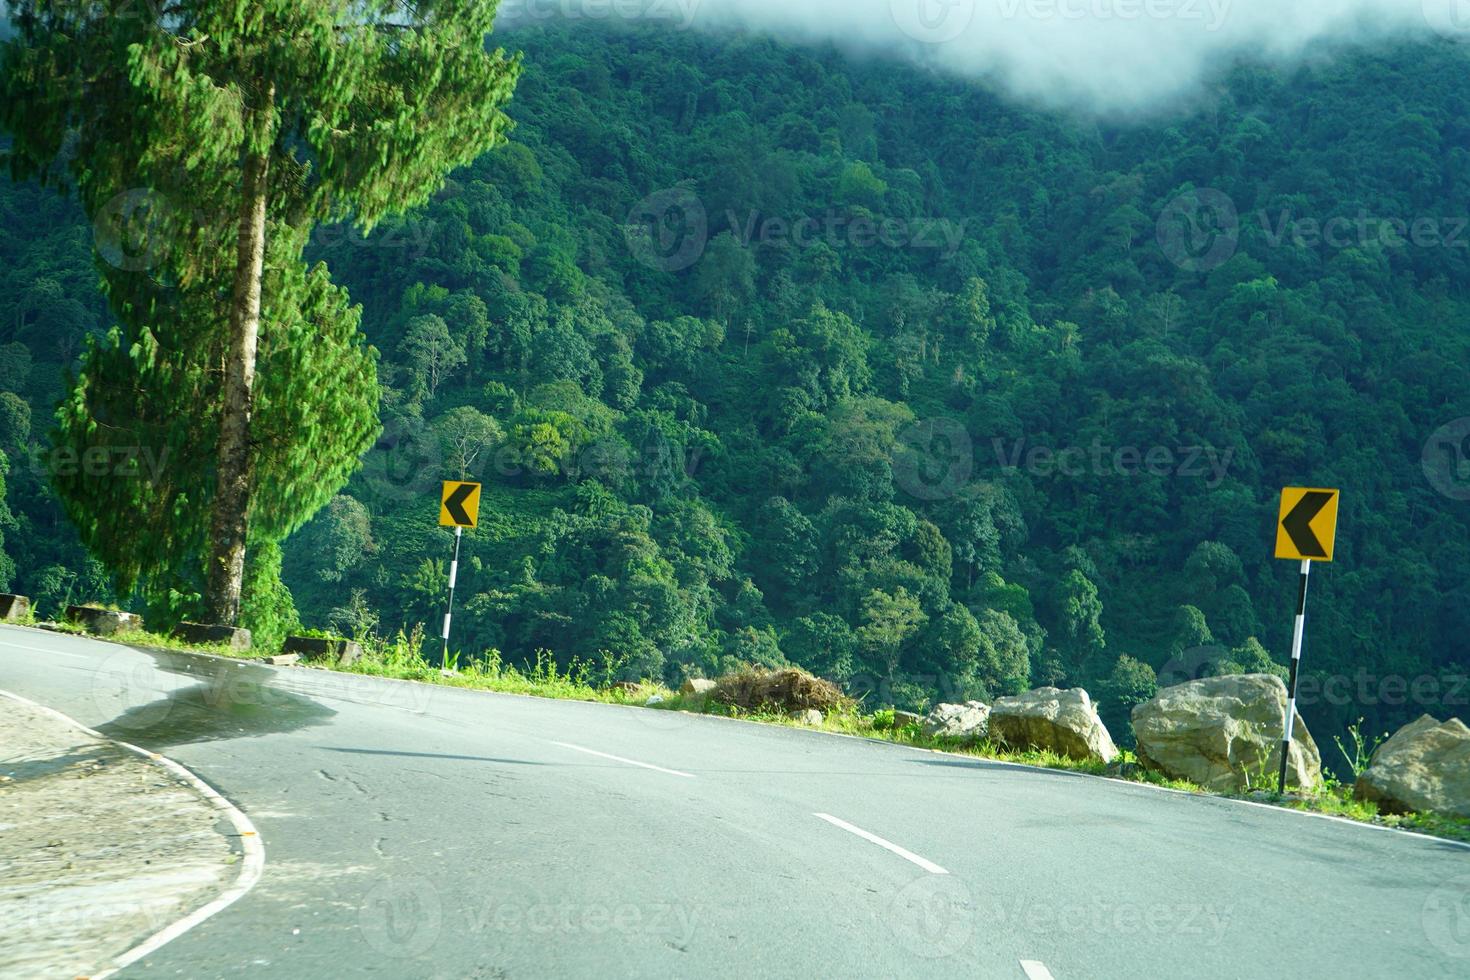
418, 831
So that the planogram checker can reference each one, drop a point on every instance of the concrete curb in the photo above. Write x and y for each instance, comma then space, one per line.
251, 867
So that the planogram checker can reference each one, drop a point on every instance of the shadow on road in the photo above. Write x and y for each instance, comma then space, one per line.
23, 771
228, 700
993, 764
434, 755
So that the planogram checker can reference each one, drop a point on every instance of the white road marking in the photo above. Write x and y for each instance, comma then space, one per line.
253, 853
907, 855
1036, 970
48, 651
630, 762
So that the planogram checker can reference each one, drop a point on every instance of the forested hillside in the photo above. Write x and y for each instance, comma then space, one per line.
911, 385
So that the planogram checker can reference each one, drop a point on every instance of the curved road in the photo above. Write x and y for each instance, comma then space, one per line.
413, 830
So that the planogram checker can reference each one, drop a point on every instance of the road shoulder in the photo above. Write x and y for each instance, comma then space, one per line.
108, 850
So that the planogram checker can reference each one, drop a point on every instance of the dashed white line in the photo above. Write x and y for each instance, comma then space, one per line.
630, 762
887, 845
48, 651
1036, 970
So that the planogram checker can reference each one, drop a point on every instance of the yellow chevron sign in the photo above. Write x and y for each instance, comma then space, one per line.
1307, 527
459, 505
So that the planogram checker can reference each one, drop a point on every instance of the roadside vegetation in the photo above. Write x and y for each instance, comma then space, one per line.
1038, 451
401, 658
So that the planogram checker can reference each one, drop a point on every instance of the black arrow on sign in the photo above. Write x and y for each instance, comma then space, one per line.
455, 504
1298, 524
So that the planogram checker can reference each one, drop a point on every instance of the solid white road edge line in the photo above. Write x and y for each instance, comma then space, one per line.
907, 855
1036, 970
630, 762
251, 867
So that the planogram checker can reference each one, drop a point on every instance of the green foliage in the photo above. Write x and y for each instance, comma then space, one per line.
431, 354
824, 452
1358, 752
1131, 683
267, 610
15, 422
178, 127
7, 522
145, 401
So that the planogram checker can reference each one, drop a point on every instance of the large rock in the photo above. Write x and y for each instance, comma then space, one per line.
1064, 722
1224, 734
14, 608
1425, 767
970, 721
102, 622
332, 651
232, 637
697, 686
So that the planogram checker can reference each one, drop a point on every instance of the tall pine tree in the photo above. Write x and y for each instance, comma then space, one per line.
244, 123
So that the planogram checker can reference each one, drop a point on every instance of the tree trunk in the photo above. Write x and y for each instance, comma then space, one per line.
235, 452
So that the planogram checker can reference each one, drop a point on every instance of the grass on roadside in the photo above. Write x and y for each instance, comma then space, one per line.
402, 658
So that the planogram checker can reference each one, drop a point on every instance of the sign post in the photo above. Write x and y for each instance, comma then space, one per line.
459, 508
1306, 531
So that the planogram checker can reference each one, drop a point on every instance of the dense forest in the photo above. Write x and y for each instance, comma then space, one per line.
767, 355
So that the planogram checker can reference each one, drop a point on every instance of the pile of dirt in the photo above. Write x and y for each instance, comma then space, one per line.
778, 690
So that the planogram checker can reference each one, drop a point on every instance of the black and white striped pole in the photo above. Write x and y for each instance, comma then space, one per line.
1306, 531
453, 577
1296, 661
